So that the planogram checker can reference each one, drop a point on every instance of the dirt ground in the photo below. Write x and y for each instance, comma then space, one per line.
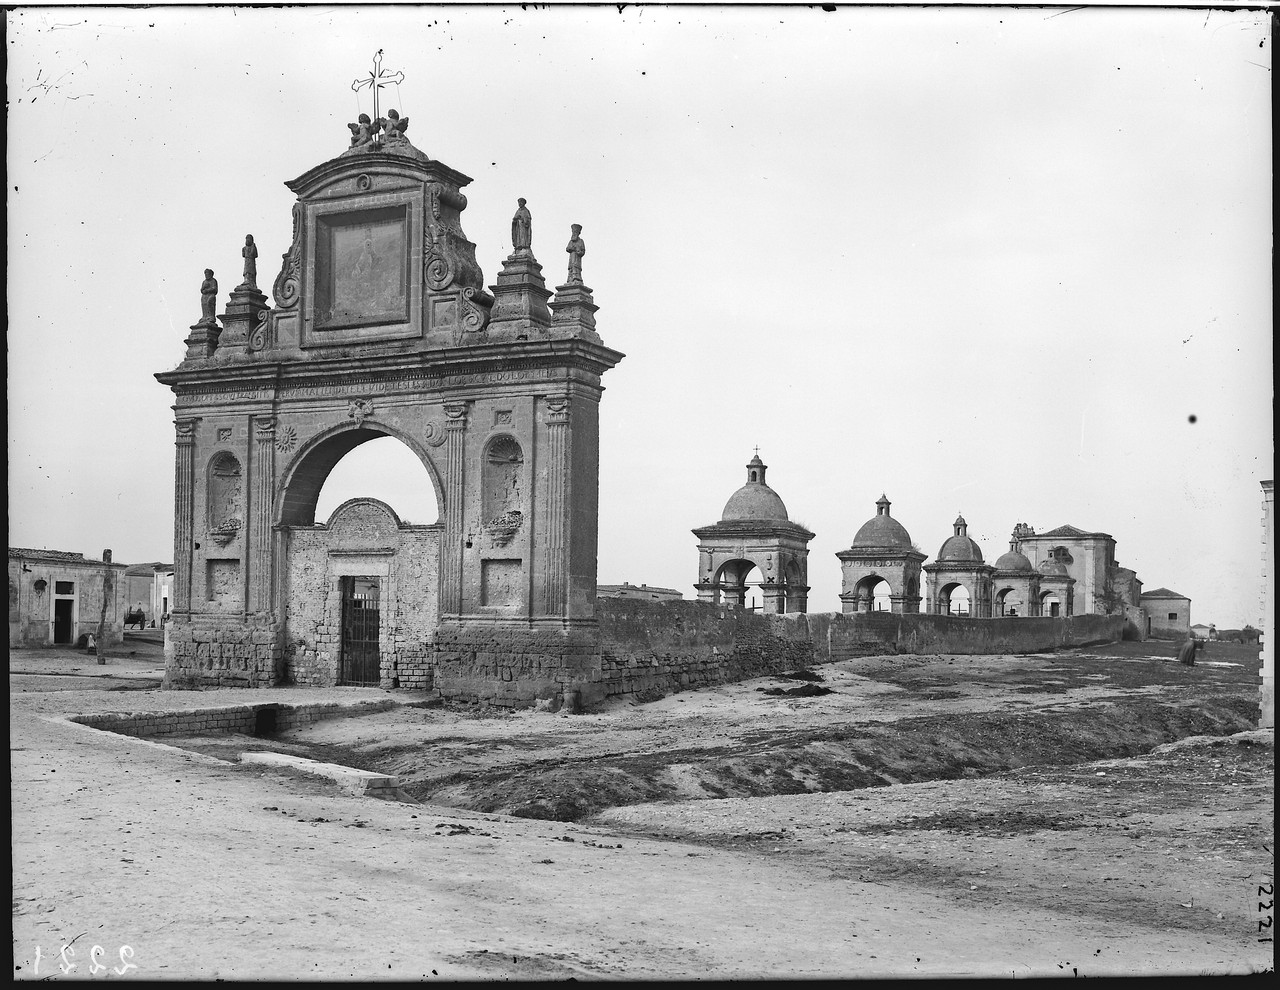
1093, 812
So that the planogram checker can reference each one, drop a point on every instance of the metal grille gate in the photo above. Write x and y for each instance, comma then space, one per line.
360, 628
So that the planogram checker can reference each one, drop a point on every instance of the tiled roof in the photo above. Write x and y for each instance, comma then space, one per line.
1069, 530
66, 555
1164, 593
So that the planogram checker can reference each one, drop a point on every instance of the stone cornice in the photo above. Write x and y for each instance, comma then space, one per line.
432, 368
881, 553
746, 529
386, 161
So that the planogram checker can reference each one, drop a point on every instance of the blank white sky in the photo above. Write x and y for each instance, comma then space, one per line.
986, 260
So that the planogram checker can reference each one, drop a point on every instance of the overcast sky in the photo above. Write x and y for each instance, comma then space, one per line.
983, 260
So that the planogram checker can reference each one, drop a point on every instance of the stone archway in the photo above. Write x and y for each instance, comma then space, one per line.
383, 326
305, 473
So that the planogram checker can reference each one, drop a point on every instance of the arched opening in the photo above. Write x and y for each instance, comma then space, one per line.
739, 584
874, 594
912, 595
954, 599
356, 463
1050, 604
1010, 602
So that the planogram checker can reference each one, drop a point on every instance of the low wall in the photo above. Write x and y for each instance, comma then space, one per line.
651, 648
838, 636
246, 719
663, 647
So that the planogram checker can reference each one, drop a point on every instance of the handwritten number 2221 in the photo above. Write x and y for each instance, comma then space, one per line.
95, 967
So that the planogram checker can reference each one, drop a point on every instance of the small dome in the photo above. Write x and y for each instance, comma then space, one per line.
959, 547
755, 501
882, 530
1053, 567
1013, 561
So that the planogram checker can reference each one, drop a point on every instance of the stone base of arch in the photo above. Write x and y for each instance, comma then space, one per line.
213, 651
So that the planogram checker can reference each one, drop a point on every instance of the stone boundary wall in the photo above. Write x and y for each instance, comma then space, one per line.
236, 718
514, 666
838, 636
664, 647
207, 651
661, 647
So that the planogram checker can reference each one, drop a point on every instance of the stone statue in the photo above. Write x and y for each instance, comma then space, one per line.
393, 128
576, 249
362, 131
208, 299
521, 229
250, 254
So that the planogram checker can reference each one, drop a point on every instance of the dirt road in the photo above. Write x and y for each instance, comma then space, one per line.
1025, 819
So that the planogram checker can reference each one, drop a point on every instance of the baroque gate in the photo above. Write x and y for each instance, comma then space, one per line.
382, 326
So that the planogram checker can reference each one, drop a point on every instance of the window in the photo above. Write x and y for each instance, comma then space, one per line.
1173, 616
64, 587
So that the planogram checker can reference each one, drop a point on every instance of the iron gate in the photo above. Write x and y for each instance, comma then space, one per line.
360, 627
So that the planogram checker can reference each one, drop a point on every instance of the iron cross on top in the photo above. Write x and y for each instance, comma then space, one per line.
376, 80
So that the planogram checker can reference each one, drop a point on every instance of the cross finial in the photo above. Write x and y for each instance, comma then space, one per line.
757, 450
376, 80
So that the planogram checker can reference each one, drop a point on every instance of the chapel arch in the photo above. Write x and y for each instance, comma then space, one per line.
955, 599
303, 478
732, 582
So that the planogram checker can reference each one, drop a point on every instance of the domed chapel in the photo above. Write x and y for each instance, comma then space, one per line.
881, 551
382, 327
754, 531
959, 564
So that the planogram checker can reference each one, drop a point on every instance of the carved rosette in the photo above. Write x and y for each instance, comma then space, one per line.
434, 434
286, 439
289, 282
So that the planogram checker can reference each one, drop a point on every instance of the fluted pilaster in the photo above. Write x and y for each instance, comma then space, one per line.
260, 550
455, 427
557, 419
183, 512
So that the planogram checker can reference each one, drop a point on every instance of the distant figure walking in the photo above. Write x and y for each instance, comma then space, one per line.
1187, 652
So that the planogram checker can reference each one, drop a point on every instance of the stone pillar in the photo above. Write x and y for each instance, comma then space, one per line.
557, 420
798, 598
707, 591
184, 492
735, 595
260, 549
246, 310
455, 427
775, 598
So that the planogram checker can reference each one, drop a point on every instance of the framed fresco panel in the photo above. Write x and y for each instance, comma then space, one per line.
362, 266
